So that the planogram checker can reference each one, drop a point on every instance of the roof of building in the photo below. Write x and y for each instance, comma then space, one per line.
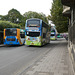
68, 2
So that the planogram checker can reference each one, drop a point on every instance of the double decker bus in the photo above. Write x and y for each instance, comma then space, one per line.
53, 34
14, 36
37, 32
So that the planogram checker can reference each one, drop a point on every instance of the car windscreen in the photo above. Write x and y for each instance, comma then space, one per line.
52, 34
58, 34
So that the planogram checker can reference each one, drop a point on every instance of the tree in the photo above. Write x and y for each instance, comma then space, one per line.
14, 16
57, 17
6, 24
43, 17
32, 14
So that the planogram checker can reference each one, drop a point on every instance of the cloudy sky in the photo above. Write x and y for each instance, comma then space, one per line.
25, 5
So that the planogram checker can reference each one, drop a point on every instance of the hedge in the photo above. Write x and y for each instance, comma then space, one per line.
6, 24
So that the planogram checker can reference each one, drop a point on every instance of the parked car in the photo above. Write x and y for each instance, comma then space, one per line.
66, 37
59, 36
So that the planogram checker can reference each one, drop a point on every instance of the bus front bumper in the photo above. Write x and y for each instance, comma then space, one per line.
12, 43
33, 43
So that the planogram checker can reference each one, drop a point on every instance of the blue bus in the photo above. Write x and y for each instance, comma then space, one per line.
14, 36
37, 32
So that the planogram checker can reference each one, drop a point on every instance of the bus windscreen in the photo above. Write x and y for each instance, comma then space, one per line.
52, 34
33, 34
10, 32
33, 23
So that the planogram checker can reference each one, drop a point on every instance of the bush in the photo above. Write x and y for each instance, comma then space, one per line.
6, 24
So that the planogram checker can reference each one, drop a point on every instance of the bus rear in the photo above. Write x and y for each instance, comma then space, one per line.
11, 36
33, 32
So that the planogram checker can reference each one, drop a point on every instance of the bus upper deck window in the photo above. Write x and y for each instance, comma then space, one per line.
33, 23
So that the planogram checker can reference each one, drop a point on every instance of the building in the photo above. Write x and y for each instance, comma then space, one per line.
69, 11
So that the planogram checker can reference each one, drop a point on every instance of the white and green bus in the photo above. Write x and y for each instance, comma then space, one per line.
37, 32
53, 34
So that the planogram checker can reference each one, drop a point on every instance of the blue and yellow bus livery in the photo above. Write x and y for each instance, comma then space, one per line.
14, 36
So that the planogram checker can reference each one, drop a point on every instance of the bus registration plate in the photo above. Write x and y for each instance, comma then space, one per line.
11, 43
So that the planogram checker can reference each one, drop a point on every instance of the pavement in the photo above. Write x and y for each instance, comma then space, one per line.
55, 62
2, 45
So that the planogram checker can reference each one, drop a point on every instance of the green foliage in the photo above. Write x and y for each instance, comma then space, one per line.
6, 24
14, 16
32, 14
57, 17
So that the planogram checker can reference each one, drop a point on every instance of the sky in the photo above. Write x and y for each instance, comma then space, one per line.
23, 6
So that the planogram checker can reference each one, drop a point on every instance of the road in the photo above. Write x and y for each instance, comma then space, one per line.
14, 60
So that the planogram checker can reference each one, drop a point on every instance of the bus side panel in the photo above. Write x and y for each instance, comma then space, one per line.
45, 34
4, 33
44, 41
41, 38
22, 36
4, 36
48, 37
22, 40
18, 36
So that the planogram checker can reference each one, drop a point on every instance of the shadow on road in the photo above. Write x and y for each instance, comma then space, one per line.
44, 46
51, 44
9, 47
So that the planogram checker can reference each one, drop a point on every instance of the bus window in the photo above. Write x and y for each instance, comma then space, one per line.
33, 23
22, 35
10, 32
52, 34
33, 34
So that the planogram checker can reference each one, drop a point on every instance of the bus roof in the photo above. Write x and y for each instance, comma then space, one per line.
33, 19
11, 28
